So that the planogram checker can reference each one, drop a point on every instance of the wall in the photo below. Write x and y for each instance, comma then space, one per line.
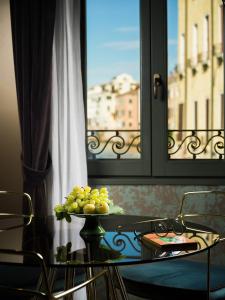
155, 200
10, 166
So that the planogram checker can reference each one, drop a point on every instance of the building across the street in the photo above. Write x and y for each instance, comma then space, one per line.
196, 84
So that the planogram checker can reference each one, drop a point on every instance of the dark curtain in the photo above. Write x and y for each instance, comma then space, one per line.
32, 34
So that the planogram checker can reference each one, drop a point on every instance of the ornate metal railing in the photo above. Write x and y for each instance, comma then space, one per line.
182, 144
115, 144
193, 144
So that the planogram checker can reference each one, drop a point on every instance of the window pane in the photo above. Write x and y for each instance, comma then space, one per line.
113, 77
195, 80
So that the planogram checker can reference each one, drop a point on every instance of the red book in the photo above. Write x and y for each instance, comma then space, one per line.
170, 241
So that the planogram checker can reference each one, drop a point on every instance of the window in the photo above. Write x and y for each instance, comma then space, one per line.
139, 49
113, 73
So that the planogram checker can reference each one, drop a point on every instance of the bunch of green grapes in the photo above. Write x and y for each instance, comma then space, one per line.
84, 200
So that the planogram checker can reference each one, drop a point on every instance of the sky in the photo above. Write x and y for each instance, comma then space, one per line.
113, 39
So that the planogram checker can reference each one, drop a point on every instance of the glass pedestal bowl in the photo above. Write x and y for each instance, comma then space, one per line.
92, 226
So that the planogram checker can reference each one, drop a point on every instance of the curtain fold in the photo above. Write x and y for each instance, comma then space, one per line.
67, 142
32, 34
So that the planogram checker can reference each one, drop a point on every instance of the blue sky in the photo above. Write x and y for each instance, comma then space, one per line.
113, 38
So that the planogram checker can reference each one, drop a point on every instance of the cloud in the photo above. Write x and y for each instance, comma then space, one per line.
172, 42
100, 74
123, 45
127, 29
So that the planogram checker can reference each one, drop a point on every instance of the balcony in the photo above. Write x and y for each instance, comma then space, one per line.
182, 144
113, 144
196, 144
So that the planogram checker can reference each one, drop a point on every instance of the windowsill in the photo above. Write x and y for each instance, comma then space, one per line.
156, 181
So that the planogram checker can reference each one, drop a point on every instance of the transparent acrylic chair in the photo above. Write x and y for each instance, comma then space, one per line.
198, 277
17, 279
16, 210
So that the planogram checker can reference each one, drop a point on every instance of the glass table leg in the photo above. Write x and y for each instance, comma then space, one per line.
69, 281
91, 288
121, 285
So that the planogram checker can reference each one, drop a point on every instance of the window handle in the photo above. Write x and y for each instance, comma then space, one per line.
157, 86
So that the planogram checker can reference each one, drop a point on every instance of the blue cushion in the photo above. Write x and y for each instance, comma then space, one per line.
175, 279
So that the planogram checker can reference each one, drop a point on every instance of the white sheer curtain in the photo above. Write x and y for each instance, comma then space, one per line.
68, 123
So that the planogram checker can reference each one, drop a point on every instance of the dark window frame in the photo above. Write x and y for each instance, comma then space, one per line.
155, 167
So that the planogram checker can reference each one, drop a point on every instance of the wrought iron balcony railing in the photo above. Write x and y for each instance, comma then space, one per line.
182, 144
117, 144
193, 144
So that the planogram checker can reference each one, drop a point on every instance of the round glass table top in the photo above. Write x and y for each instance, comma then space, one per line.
121, 242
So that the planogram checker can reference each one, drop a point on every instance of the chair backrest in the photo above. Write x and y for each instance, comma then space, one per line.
25, 280
16, 209
204, 207
40, 287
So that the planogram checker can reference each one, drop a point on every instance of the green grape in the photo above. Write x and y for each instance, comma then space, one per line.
95, 192
70, 199
80, 195
59, 208
84, 200
82, 203
94, 197
76, 189
72, 207
103, 197
103, 190
86, 195
77, 210
87, 189
73, 193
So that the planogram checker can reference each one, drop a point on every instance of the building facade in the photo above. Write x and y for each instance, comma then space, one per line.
114, 105
196, 85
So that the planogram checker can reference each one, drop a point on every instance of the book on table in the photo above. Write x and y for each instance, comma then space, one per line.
170, 241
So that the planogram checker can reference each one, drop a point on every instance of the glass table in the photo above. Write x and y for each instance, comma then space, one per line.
121, 244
